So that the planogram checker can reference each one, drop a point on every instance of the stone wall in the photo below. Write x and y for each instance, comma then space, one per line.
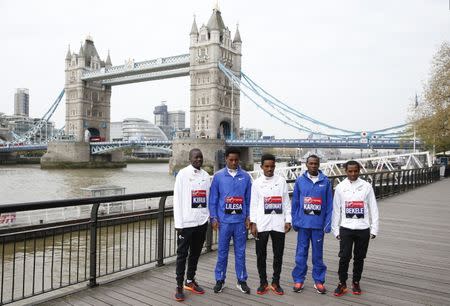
213, 154
77, 155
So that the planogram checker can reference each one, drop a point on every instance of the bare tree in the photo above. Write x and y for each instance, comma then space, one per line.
430, 119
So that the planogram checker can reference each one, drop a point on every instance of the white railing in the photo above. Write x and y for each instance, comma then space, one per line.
368, 165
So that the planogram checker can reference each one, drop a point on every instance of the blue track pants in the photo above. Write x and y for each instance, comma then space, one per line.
239, 234
316, 236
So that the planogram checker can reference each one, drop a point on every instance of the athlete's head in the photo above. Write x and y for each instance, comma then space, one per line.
196, 158
352, 168
312, 164
232, 156
268, 164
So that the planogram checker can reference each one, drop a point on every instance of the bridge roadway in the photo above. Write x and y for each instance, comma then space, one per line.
407, 264
103, 147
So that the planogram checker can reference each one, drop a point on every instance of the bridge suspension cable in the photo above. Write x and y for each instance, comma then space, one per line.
294, 118
31, 133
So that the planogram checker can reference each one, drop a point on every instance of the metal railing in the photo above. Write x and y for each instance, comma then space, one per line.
46, 257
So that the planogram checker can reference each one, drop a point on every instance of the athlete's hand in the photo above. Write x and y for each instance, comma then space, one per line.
247, 223
372, 236
287, 227
254, 230
338, 237
215, 225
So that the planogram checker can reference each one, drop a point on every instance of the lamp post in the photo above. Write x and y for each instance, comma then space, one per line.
232, 110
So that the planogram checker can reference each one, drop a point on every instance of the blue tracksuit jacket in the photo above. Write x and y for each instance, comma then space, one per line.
226, 191
312, 204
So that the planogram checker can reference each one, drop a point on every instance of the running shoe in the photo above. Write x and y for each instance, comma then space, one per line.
243, 287
356, 289
341, 289
276, 288
298, 287
320, 288
194, 287
179, 294
262, 289
220, 284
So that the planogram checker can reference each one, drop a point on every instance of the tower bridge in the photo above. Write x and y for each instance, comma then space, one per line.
213, 65
214, 106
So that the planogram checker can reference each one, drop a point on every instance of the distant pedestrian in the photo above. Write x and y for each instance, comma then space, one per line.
312, 205
229, 209
191, 214
354, 198
270, 216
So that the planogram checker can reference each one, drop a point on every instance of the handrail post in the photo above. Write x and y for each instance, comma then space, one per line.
93, 246
161, 226
391, 177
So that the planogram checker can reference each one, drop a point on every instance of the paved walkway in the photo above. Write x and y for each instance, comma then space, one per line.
407, 264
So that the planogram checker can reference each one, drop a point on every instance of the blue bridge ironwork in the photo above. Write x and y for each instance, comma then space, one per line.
166, 145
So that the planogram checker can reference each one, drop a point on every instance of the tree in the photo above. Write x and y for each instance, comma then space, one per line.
430, 119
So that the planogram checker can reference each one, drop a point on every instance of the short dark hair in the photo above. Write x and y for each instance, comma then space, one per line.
191, 152
352, 163
232, 150
313, 156
267, 156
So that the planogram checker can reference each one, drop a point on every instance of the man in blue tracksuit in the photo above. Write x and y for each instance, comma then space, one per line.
229, 207
312, 206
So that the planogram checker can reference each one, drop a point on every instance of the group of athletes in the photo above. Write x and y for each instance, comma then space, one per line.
233, 205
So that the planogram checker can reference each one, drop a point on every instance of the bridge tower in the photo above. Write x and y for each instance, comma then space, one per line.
87, 114
87, 103
215, 103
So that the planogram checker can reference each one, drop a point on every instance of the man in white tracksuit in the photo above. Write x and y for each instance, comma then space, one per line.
354, 199
270, 215
191, 214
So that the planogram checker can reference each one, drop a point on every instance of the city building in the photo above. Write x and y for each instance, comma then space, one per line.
169, 122
115, 132
135, 129
250, 133
141, 130
17, 126
22, 102
177, 119
161, 114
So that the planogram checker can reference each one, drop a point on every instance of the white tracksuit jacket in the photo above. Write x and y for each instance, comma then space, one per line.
190, 197
270, 206
351, 205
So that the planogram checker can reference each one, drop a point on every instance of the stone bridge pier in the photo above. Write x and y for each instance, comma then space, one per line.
213, 154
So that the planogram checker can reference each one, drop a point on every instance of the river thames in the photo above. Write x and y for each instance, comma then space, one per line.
28, 183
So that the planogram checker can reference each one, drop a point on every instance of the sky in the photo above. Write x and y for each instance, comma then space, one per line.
354, 64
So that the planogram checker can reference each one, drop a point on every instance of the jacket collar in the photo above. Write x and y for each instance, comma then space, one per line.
321, 175
355, 183
238, 171
194, 170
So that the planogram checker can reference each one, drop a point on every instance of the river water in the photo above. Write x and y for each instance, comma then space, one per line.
28, 183
48, 261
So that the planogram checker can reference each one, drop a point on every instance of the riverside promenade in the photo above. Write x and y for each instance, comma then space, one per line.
407, 264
